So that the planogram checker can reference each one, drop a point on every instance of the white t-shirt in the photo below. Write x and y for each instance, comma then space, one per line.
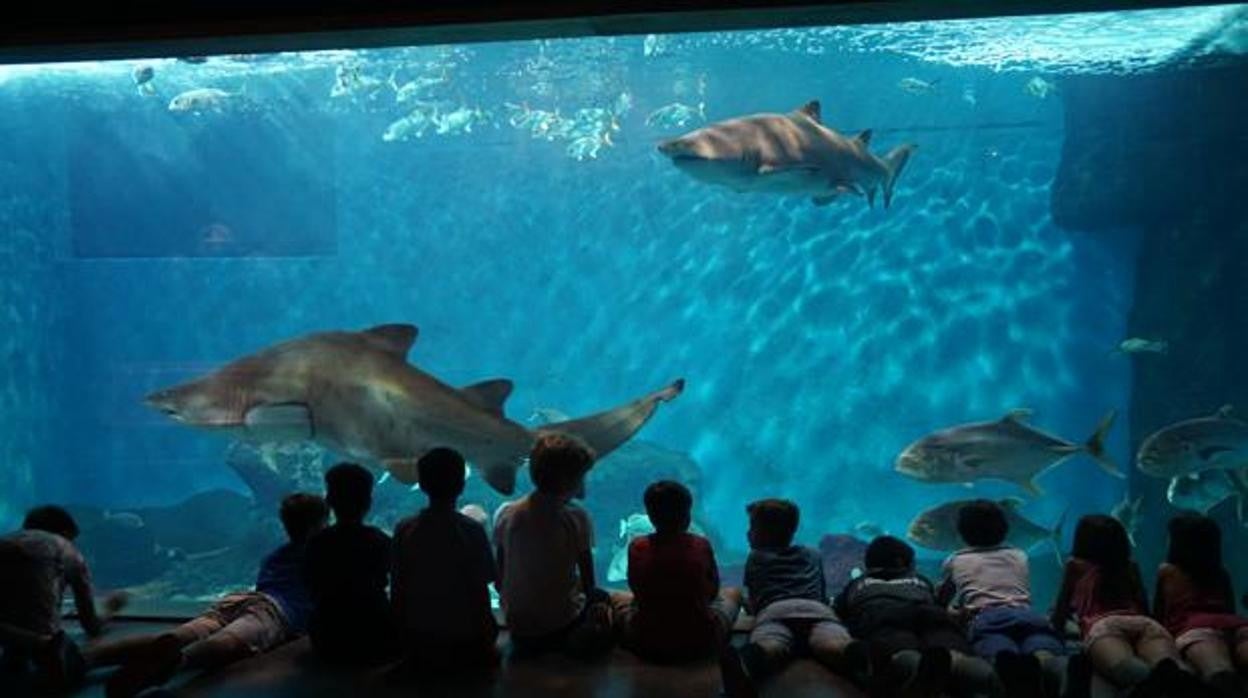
541, 538
989, 577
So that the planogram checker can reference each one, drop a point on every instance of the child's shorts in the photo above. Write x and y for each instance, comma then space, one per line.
1012, 629
252, 618
1131, 628
1213, 627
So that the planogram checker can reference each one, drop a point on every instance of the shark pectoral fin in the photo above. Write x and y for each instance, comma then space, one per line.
501, 476
605, 431
489, 395
284, 422
1032, 488
395, 339
402, 469
864, 138
811, 109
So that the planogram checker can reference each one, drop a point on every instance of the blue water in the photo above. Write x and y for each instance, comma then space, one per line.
144, 246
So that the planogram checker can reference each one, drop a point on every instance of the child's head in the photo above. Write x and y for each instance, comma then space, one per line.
442, 473
669, 506
558, 463
349, 491
1102, 540
772, 522
982, 523
302, 515
889, 554
1196, 547
51, 519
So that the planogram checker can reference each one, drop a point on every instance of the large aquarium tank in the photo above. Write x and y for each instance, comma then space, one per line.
876, 269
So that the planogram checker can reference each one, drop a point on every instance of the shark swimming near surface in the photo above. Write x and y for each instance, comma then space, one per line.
356, 393
790, 153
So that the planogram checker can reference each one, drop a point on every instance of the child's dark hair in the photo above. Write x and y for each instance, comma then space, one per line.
669, 505
776, 520
558, 462
442, 473
302, 515
887, 553
1102, 541
982, 523
349, 491
1196, 548
51, 519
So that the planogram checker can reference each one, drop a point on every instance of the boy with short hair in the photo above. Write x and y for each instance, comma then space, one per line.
676, 611
544, 545
347, 571
787, 594
241, 625
37, 564
988, 585
443, 568
916, 648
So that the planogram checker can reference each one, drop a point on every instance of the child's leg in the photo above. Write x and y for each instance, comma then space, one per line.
127, 649
623, 611
1207, 651
769, 649
594, 634
831, 645
1115, 659
726, 607
1241, 649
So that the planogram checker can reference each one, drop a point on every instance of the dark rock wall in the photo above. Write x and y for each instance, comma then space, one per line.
1160, 159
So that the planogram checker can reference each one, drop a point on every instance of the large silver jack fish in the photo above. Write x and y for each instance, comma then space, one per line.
355, 393
790, 153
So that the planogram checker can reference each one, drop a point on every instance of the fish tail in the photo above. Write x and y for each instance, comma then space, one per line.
1056, 537
1095, 445
895, 162
606, 431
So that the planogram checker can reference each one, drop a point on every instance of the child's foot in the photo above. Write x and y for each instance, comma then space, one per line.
157, 666
1021, 674
856, 662
737, 682
932, 678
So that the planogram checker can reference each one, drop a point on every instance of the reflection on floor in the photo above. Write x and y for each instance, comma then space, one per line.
290, 672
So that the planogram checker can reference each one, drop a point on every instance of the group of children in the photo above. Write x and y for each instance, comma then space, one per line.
421, 599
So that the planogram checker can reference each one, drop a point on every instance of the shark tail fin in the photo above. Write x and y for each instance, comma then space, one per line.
1095, 445
1056, 538
606, 431
895, 162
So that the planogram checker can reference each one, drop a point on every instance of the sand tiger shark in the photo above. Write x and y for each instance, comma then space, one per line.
356, 393
790, 153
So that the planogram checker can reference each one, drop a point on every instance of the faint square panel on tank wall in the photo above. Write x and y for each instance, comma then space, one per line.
230, 183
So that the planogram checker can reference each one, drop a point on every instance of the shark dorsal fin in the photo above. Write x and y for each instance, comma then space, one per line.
812, 110
396, 339
489, 395
1018, 414
864, 138
1224, 412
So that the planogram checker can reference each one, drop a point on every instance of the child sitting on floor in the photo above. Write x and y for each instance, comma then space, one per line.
787, 595
544, 546
916, 648
241, 625
1196, 602
988, 585
676, 611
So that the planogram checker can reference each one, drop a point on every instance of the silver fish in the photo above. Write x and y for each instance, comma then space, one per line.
1007, 449
1139, 345
1216, 442
202, 99
916, 86
1128, 514
676, 115
1207, 489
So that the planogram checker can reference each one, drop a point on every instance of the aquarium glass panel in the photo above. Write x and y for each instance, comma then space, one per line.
872, 269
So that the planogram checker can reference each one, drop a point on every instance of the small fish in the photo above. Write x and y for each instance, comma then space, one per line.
142, 76
1216, 442
1008, 449
676, 115
414, 125
476, 512
653, 45
350, 81
203, 99
193, 60
459, 121
632, 526
623, 104
415, 89
1040, 88
1137, 345
868, 530
916, 86
124, 519
547, 415
1202, 491
937, 528
1128, 514
385, 476
968, 95
587, 147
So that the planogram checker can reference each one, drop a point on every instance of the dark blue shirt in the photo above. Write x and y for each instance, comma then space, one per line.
778, 574
281, 577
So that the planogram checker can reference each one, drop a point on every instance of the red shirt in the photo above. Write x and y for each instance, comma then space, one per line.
674, 578
1182, 605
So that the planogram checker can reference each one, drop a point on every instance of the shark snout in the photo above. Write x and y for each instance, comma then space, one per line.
163, 402
678, 149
